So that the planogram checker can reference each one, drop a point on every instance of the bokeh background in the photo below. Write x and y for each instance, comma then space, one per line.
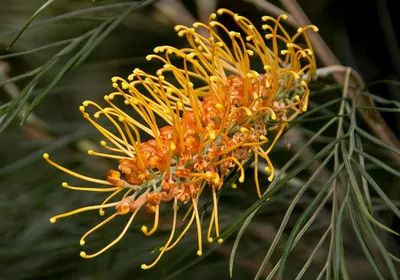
363, 35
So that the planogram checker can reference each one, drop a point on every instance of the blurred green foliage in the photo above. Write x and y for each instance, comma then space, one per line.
111, 38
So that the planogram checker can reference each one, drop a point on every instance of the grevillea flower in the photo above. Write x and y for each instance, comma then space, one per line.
216, 110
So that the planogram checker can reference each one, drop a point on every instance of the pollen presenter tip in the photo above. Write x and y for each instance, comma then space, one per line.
53, 220
82, 242
199, 253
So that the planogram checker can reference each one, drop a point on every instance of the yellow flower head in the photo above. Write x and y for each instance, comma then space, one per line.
215, 101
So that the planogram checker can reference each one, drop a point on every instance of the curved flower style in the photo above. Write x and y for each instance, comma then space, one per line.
216, 109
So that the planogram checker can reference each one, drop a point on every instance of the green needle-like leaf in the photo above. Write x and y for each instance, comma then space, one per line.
38, 11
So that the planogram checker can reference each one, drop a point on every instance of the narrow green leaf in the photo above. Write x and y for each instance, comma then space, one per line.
381, 164
378, 190
302, 220
271, 191
323, 271
382, 82
53, 45
367, 230
338, 238
92, 43
310, 259
71, 15
64, 70
364, 182
25, 93
236, 243
110, 28
38, 11
32, 157
7, 118
371, 259
286, 167
357, 194
377, 141
396, 259
380, 109
22, 76
382, 100
302, 231
321, 118
288, 215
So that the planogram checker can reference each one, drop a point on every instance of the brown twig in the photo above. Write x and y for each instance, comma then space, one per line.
373, 118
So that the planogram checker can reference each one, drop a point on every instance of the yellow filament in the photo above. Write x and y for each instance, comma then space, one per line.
104, 144
275, 139
232, 148
155, 226
133, 121
83, 209
114, 122
215, 211
86, 178
93, 153
187, 213
191, 206
101, 211
82, 241
271, 169
251, 144
256, 113
116, 240
256, 174
110, 136
171, 149
210, 226
65, 185
147, 117
151, 107
182, 233
144, 266
198, 224
135, 144
240, 166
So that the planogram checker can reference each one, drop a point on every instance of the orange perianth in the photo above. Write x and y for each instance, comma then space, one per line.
114, 177
129, 205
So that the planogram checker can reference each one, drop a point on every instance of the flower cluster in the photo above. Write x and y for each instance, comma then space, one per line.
215, 109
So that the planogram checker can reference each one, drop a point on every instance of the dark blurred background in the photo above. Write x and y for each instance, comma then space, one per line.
362, 34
